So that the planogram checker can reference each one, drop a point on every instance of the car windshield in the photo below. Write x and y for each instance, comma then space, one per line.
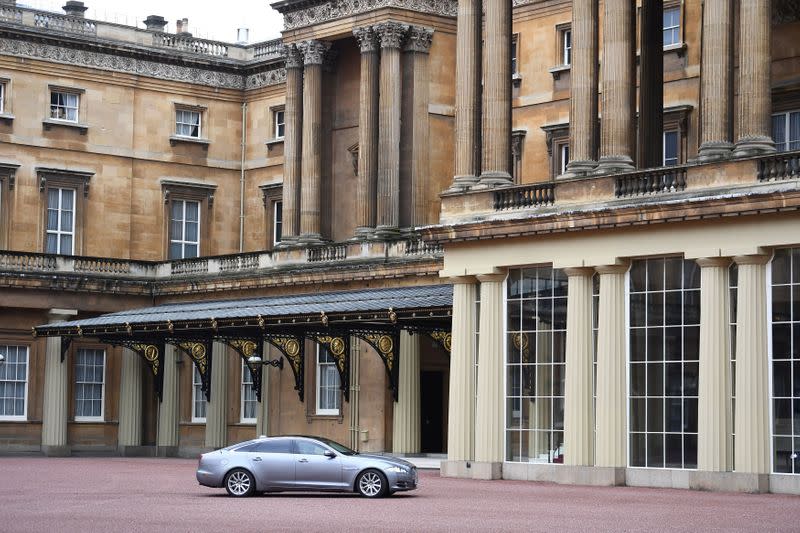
341, 448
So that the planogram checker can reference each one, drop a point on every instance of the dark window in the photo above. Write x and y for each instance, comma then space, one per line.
670, 148
306, 447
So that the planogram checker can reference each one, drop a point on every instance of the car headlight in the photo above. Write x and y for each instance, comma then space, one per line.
397, 469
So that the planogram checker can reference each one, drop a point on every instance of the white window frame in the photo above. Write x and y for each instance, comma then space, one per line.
247, 386
566, 46
786, 115
277, 124
101, 417
275, 239
671, 28
197, 396
318, 386
515, 54
183, 239
59, 232
24, 416
53, 114
664, 147
178, 122
3, 93
563, 154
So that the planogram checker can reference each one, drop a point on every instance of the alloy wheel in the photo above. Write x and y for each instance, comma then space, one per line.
370, 484
239, 483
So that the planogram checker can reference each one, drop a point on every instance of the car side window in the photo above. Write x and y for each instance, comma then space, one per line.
274, 446
249, 448
305, 447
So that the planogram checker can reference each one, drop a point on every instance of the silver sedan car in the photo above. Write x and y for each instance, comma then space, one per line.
300, 463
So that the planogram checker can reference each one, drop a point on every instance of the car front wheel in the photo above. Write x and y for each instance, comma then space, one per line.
240, 483
372, 484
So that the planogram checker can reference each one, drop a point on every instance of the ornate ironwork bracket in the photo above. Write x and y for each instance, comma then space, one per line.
387, 344
339, 348
443, 338
200, 353
293, 349
66, 342
153, 355
247, 348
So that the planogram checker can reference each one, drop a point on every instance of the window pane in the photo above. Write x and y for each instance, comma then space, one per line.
779, 131
192, 211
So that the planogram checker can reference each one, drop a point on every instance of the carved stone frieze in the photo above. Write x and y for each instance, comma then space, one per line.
335, 9
391, 34
419, 39
367, 39
266, 78
314, 52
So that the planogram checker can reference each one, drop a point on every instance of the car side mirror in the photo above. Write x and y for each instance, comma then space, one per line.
329, 454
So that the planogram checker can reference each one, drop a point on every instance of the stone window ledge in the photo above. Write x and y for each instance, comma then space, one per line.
677, 48
176, 139
6, 117
49, 123
558, 70
272, 143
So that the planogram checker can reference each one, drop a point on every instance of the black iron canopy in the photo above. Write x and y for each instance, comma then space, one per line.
329, 319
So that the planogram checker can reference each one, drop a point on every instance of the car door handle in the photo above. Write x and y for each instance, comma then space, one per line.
303, 460
256, 458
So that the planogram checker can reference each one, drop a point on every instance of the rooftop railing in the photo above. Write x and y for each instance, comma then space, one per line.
64, 23
190, 44
267, 49
524, 196
651, 181
10, 14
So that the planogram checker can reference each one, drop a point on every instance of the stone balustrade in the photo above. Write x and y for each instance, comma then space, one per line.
266, 49
652, 181
527, 196
63, 23
10, 14
190, 44
779, 167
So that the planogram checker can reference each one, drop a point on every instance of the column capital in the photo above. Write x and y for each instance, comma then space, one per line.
367, 39
292, 56
752, 259
714, 262
391, 34
579, 272
463, 280
612, 269
419, 39
314, 51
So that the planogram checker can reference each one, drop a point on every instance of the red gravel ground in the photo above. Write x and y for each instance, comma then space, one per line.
83, 494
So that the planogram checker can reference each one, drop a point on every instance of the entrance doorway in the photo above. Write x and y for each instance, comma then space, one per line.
432, 391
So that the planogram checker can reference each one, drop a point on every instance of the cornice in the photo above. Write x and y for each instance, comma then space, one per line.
302, 13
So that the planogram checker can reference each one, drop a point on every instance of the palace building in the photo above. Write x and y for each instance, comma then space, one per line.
551, 240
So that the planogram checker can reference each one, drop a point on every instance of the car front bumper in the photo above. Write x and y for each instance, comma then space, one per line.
403, 481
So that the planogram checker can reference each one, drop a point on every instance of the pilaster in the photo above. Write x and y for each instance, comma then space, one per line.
292, 144
714, 381
406, 421
56, 392
578, 406
217, 407
367, 131
167, 431
130, 401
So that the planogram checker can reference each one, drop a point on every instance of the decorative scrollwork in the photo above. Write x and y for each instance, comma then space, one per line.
339, 348
387, 346
200, 354
443, 338
292, 348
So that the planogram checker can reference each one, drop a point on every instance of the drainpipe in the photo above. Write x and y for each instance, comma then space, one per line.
355, 360
241, 179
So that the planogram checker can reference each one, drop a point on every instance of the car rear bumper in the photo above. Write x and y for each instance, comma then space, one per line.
208, 479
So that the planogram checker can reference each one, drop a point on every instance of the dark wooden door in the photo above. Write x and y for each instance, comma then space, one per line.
431, 397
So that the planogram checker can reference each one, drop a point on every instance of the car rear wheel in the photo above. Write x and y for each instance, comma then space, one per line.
240, 483
372, 484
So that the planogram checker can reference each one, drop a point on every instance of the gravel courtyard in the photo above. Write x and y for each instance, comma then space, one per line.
113, 494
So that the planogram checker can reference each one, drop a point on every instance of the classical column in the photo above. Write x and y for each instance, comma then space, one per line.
292, 144
752, 452
56, 391
651, 86
715, 80
129, 433
367, 132
310, 189
755, 88
611, 445
583, 88
461, 404
391, 35
497, 95
217, 407
489, 422
617, 125
468, 94
406, 433
167, 431
578, 401
714, 380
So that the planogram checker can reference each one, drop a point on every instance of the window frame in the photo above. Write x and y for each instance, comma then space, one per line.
65, 91
319, 411
677, 157
277, 112
4, 83
247, 385
195, 191
189, 109
75, 383
787, 114
59, 233
566, 46
563, 157
198, 398
272, 194
24, 416
679, 27
183, 241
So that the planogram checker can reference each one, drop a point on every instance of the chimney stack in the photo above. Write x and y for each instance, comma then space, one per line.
155, 23
242, 36
182, 27
74, 8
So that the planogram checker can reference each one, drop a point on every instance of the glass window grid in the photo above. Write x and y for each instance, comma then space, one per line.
672, 26
249, 405
277, 221
653, 284
198, 398
184, 239
476, 339
329, 398
595, 329
784, 302
564, 157
734, 293
280, 124
3, 97
670, 149
187, 123
514, 53
14, 373
89, 384
535, 364
786, 130
64, 106
566, 47
60, 232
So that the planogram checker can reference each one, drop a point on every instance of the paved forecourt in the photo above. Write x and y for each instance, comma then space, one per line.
114, 494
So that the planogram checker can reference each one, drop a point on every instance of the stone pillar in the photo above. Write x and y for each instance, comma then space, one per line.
611, 445
292, 144
583, 88
167, 432
217, 407
129, 433
310, 189
406, 433
714, 381
391, 35
497, 95
468, 94
755, 87
578, 401
752, 450
715, 81
461, 403
651, 87
55, 410
619, 87
489, 423
367, 132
